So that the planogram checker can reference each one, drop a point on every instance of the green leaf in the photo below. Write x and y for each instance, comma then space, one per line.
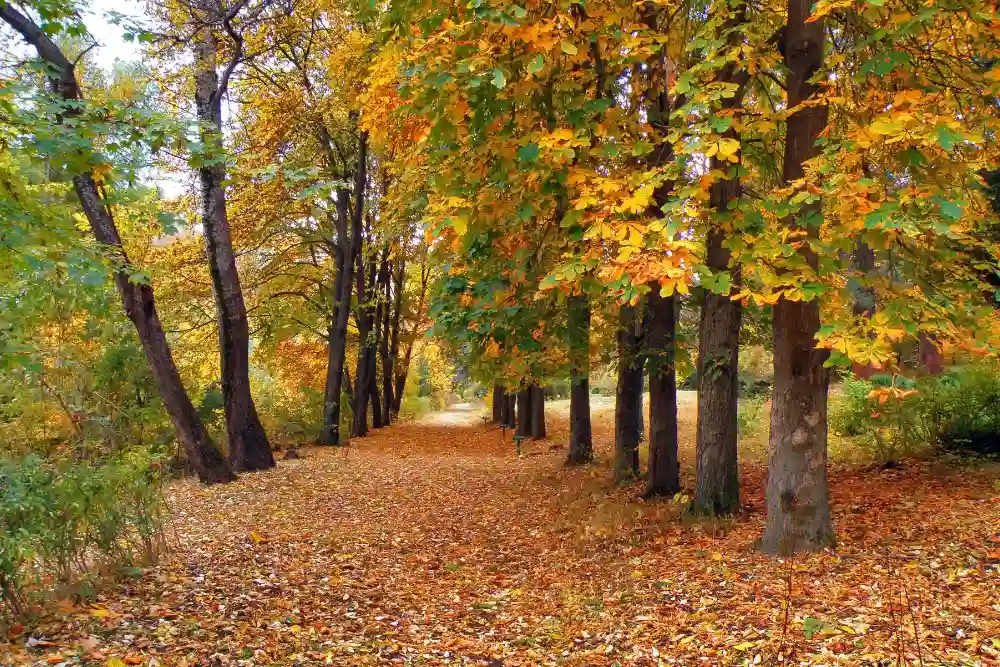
946, 138
528, 153
499, 80
568, 47
536, 65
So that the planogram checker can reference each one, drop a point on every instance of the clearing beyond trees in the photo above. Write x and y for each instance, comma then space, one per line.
432, 543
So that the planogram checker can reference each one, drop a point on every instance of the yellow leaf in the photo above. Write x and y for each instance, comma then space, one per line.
728, 147
257, 537
115, 662
744, 646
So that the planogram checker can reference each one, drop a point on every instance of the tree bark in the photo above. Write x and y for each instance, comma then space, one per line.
717, 488
664, 468
398, 282
249, 448
798, 509
524, 427
378, 330
497, 405
581, 445
348, 248
512, 410
404, 368
537, 412
627, 395
384, 343
137, 299
364, 320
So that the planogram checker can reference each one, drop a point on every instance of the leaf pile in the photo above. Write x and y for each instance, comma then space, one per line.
433, 544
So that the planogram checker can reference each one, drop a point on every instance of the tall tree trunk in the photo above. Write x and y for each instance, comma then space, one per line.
378, 330
664, 468
348, 248
581, 444
512, 409
137, 299
798, 508
717, 489
398, 282
497, 404
364, 319
537, 412
627, 394
384, 349
404, 368
524, 412
249, 448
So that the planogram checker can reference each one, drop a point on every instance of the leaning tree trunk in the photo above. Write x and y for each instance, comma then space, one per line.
798, 508
717, 488
249, 448
403, 369
524, 412
664, 469
398, 281
137, 299
347, 249
537, 412
581, 444
627, 395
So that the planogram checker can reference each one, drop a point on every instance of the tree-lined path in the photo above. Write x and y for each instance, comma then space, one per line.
431, 544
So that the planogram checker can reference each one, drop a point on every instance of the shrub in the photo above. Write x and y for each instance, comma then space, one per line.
899, 417
60, 521
751, 415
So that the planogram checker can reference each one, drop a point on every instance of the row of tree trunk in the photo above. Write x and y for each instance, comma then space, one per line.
522, 410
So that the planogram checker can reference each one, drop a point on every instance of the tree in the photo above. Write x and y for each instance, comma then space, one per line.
798, 508
137, 297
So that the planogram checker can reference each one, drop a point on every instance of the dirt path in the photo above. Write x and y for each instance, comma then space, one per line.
433, 544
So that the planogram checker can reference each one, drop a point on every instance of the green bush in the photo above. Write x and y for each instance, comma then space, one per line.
956, 412
59, 521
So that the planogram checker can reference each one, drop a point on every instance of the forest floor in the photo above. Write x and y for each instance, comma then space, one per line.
433, 544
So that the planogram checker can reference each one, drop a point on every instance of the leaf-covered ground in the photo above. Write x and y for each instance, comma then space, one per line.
433, 544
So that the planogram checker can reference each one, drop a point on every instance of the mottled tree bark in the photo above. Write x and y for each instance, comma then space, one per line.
398, 282
717, 488
348, 247
627, 394
664, 469
524, 427
364, 319
497, 404
581, 445
798, 508
384, 343
137, 299
537, 412
249, 448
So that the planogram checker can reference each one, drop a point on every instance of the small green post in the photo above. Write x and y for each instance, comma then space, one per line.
517, 442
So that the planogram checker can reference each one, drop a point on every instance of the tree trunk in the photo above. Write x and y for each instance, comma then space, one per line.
249, 448
512, 410
664, 468
524, 428
581, 445
627, 395
347, 248
497, 404
379, 333
364, 319
717, 489
137, 299
384, 350
537, 412
404, 367
798, 509
398, 282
